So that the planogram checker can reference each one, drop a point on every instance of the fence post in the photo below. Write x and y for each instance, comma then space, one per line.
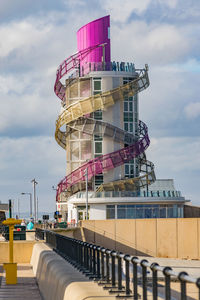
113, 255
144, 278
127, 287
98, 262
167, 283
107, 266
119, 258
183, 285
135, 277
102, 263
154, 280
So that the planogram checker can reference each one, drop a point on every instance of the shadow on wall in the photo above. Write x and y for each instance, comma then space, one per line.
119, 236
112, 244
172, 238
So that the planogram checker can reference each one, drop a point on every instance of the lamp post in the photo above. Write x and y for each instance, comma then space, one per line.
34, 197
30, 202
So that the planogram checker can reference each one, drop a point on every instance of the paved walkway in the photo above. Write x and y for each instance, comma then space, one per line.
25, 289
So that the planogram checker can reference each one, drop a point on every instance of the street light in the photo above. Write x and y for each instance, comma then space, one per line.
34, 196
30, 202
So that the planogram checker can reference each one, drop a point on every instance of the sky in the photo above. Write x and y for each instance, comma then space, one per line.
36, 36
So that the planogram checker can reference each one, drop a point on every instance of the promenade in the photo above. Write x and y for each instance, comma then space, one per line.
25, 289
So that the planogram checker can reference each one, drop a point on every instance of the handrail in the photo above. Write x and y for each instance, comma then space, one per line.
104, 264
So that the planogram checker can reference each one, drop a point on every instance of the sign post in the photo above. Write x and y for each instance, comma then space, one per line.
11, 267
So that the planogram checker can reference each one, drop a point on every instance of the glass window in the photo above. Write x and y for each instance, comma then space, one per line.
148, 213
126, 106
98, 179
110, 212
97, 85
139, 212
126, 116
121, 212
170, 212
126, 169
98, 115
126, 126
98, 147
130, 106
130, 212
162, 212
130, 117
175, 211
155, 212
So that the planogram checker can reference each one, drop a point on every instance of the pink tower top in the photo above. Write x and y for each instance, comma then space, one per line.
93, 33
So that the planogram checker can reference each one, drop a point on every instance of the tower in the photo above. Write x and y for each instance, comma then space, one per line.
99, 128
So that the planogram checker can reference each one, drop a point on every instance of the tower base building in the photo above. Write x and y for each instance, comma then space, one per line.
108, 175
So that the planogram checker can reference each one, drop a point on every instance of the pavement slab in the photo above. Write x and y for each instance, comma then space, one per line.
26, 287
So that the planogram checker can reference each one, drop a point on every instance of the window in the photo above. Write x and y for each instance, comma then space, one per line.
96, 85
98, 147
162, 211
110, 212
121, 211
98, 115
129, 170
99, 179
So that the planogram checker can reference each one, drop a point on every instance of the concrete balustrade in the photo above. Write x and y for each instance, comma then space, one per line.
57, 279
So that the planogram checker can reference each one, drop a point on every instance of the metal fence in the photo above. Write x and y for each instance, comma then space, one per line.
119, 273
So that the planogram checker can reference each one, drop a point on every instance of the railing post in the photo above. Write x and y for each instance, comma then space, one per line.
94, 260
107, 266
102, 263
119, 269
90, 258
135, 278
183, 285
167, 283
144, 278
154, 280
98, 262
127, 287
113, 255
87, 256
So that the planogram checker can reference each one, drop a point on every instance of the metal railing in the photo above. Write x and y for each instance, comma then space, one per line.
125, 275
39, 234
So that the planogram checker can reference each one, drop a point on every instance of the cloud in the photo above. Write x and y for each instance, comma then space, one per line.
25, 158
178, 158
21, 35
157, 44
121, 11
170, 3
192, 110
36, 38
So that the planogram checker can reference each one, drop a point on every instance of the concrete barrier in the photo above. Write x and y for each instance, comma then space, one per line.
57, 279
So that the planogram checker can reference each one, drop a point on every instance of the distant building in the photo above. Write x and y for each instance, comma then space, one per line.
104, 139
3, 210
